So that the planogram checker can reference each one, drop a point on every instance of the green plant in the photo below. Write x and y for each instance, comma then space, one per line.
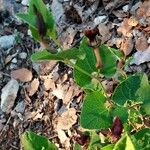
119, 112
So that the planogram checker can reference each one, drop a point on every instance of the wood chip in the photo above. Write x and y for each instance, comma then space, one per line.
132, 21
23, 75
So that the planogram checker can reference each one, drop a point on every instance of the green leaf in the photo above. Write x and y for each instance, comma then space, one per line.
63, 55
77, 147
94, 114
109, 61
108, 147
125, 143
94, 141
143, 138
32, 141
87, 64
120, 112
133, 89
29, 19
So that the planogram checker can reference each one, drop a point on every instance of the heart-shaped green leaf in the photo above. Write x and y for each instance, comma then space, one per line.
87, 64
32, 141
135, 88
94, 114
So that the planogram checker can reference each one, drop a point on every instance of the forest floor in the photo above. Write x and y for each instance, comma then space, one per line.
45, 99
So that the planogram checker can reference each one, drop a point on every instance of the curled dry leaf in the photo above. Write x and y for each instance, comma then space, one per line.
141, 43
67, 119
33, 87
125, 28
126, 46
23, 74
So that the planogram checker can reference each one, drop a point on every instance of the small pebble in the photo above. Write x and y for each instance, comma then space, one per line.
23, 55
100, 19
14, 61
7, 41
25, 2
125, 8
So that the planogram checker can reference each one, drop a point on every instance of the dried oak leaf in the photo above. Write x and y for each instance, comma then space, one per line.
23, 74
141, 43
67, 119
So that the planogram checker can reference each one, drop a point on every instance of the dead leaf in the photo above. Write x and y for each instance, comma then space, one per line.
104, 32
127, 46
8, 59
23, 74
141, 43
58, 92
33, 87
144, 10
67, 119
68, 37
125, 28
132, 21
68, 95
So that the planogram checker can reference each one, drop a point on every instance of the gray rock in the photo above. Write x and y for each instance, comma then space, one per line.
8, 96
7, 41
20, 107
100, 19
23, 55
14, 61
25, 2
57, 10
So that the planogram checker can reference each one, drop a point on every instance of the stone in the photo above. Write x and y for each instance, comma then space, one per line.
8, 96
25, 2
23, 55
20, 107
7, 41
100, 19
14, 61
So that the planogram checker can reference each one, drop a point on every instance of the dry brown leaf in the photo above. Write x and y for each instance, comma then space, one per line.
125, 28
141, 43
144, 10
68, 95
68, 37
67, 119
104, 32
58, 92
33, 87
8, 59
23, 74
127, 46
132, 21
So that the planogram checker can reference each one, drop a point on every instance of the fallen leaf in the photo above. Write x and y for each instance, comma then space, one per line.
104, 32
68, 95
132, 21
126, 46
141, 43
33, 87
58, 92
67, 119
125, 28
23, 74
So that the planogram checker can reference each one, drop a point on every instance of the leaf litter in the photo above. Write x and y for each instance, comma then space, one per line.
46, 84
